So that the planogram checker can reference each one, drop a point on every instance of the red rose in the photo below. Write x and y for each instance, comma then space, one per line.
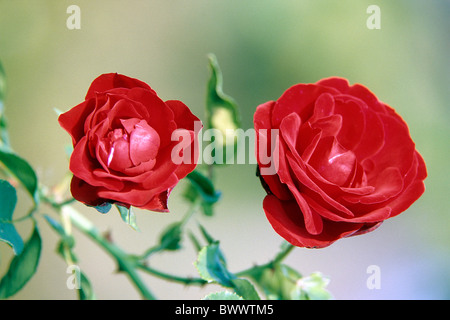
345, 162
122, 143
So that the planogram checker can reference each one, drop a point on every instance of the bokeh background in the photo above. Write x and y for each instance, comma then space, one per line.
263, 47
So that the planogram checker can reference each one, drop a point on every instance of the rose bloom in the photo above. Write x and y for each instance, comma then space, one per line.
345, 162
122, 143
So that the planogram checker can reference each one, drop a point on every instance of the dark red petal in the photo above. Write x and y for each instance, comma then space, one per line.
356, 90
183, 116
144, 143
82, 166
110, 81
324, 107
353, 121
388, 184
309, 186
337, 83
85, 193
158, 202
263, 115
398, 149
185, 119
138, 195
413, 191
285, 218
299, 99
161, 117
333, 162
73, 120
372, 139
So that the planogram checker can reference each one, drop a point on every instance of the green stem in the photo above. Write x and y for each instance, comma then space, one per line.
192, 209
172, 278
286, 248
124, 261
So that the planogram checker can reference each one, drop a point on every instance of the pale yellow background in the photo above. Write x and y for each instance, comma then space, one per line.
263, 48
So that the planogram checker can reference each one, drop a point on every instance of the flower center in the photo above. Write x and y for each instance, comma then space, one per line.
132, 145
333, 162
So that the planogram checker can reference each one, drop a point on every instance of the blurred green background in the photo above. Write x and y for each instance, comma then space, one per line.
263, 47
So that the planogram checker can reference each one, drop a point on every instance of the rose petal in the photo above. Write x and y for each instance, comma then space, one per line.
353, 121
285, 218
158, 202
110, 81
333, 162
323, 108
73, 120
183, 116
82, 167
85, 193
299, 99
144, 143
157, 111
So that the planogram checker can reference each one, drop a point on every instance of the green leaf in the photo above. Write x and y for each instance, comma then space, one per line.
222, 295
204, 186
207, 236
22, 267
245, 289
22, 171
211, 266
194, 241
8, 233
128, 216
222, 112
201, 186
86, 291
171, 237
222, 109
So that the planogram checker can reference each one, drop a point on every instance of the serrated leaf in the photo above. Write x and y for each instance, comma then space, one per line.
128, 216
22, 171
245, 289
211, 266
222, 295
22, 267
8, 232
